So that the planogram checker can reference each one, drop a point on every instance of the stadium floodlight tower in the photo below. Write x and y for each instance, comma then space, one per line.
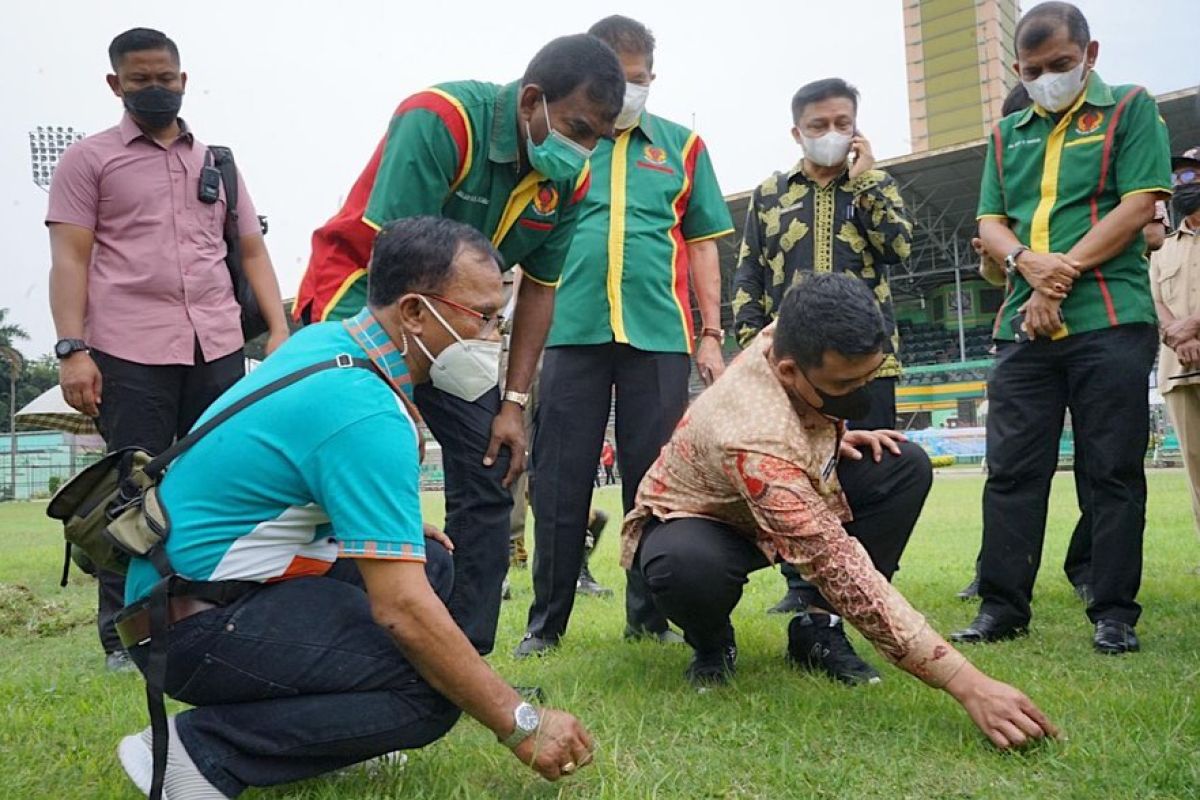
46, 146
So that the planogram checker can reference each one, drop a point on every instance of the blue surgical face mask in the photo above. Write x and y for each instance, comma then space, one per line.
557, 158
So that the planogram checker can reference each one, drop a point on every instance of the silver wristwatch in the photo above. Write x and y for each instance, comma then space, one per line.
526, 719
1010, 260
520, 398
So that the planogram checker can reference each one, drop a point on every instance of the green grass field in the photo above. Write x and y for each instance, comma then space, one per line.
1132, 723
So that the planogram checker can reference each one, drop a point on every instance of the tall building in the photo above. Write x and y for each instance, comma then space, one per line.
959, 55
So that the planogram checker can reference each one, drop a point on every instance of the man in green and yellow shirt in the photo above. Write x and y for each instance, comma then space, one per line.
511, 161
623, 320
1068, 185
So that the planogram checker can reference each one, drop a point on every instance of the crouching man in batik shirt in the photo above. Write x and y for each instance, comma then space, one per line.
762, 469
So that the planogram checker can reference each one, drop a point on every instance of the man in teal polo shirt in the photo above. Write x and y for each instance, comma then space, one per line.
511, 162
1067, 187
329, 642
647, 230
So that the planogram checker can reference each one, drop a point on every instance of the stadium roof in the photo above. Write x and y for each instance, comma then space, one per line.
941, 189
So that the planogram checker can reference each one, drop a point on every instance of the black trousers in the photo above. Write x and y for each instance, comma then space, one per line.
1101, 376
478, 507
149, 406
297, 679
883, 415
577, 384
696, 568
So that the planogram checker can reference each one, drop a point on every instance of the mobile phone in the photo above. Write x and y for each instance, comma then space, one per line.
1018, 328
210, 185
1022, 335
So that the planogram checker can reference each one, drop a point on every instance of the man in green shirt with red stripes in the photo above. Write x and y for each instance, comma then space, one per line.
623, 320
511, 161
1068, 185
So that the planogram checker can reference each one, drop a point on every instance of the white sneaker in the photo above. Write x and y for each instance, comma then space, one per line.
183, 780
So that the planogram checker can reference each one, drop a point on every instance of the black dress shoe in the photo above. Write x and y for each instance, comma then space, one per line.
712, 667
818, 644
970, 591
1114, 638
534, 646
790, 604
987, 628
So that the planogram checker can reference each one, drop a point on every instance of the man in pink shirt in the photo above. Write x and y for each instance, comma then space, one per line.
150, 331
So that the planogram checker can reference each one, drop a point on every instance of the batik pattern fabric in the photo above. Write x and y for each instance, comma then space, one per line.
750, 456
795, 227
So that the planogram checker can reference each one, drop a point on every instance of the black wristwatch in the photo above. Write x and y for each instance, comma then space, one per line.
64, 347
1010, 260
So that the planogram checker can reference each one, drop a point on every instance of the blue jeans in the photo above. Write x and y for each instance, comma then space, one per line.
296, 679
478, 508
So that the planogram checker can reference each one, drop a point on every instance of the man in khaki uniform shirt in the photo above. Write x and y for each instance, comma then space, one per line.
1175, 282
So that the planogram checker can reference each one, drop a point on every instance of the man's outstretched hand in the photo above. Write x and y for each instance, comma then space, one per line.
1006, 716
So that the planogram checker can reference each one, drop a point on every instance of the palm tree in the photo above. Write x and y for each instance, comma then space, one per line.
10, 331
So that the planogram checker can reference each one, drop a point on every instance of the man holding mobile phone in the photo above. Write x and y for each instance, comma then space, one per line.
1068, 186
832, 212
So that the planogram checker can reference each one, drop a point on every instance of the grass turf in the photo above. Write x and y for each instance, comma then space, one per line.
1132, 723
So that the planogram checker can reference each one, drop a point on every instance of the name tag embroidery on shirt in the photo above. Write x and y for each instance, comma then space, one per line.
471, 198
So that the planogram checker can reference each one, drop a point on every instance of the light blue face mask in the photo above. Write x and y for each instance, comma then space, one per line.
557, 158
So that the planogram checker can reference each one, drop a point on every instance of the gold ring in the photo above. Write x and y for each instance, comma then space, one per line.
568, 768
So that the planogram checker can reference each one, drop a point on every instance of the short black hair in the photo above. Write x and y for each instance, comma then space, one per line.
1042, 21
568, 62
820, 90
828, 311
625, 35
135, 40
1018, 100
415, 254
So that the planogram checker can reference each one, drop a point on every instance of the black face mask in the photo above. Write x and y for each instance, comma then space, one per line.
852, 405
156, 107
1185, 201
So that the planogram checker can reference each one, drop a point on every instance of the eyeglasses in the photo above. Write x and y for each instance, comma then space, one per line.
1184, 176
491, 322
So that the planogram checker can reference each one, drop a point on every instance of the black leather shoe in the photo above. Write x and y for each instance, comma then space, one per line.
970, 591
987, 628
818, 644
1114, 638
790, 604
534, 646
588, 584
713, 667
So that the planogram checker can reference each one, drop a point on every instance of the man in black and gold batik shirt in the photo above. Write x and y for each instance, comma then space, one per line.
832, 212
829, 213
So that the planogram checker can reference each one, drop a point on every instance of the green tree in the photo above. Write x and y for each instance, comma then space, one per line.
32, 375
10, 331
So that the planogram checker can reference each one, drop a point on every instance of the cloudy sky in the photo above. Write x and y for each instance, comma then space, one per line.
303, 90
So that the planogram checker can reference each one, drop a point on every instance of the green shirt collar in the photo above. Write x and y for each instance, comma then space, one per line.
1098, 93
503, 147
645, 124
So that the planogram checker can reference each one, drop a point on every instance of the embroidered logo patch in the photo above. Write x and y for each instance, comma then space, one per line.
655, 155
546, 199
1089, 121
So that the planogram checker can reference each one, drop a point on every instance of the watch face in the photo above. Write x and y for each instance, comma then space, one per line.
527, 717
62, 349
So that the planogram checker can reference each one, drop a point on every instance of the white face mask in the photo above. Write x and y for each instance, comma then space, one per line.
828, 150
635, 101
468, 368
1055, 91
